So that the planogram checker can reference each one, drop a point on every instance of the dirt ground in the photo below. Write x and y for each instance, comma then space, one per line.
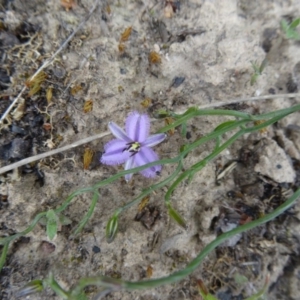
205, 52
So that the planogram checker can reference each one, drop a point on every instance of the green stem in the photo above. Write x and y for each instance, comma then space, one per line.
85, 219
246, 118
194, 112
8, 239
70, 198
198, 166
194, 264
3, 255
153, 188
53, 284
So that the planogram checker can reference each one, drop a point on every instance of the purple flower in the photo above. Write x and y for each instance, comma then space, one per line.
133, 147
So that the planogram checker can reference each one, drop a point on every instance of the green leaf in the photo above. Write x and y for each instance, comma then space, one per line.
284, 26
82, 296
33, 286
240, 279
253, 79
295, 23
51, 227
53, 284
220, 127
176, 216
112, 228
183, 129
263, 65
43, 221
63, 220
224, 125
208, 296
290, 29
293, 35
182, 148
190, 110
161, 113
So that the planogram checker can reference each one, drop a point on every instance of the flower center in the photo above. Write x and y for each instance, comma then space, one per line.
133, 147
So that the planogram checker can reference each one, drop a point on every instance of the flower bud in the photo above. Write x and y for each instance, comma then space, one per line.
112, 228
33, 286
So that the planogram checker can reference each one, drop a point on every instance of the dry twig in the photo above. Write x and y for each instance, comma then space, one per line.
52, 152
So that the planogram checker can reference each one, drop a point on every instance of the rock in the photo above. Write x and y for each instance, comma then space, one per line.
274, 163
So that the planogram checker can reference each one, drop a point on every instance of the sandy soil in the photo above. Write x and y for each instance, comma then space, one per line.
210, 44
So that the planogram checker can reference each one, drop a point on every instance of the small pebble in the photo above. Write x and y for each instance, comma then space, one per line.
272, 91
177, 81
96, 249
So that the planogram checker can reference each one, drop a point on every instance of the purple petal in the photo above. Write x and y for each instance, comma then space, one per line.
154, 140
114, 154
145, 156
137, 126
118, 132
129, 165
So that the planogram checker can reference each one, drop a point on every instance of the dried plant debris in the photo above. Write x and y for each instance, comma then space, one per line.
88, 106
126, 34
68, 4
15, 150
87, 158
35, 84
148, 215
154, 58
4, 79
19, 111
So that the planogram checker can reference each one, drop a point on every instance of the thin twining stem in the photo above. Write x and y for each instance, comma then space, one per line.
192, 266
101, 135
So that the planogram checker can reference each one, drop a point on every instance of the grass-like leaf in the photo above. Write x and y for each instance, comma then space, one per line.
290, 30
51, 227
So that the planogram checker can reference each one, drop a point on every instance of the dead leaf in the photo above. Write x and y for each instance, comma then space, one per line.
262, 130
146, 102
143, 203
75, 89
49, 94
149, 271
121, 47
87, 158
154, 58
68, 4
18, 112
35, 83
126, 34
168, 11
169, 121
88, 106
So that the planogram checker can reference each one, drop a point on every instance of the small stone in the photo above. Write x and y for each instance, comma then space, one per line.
177, 81
270, 156
96, 249
272, 91
46, 248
